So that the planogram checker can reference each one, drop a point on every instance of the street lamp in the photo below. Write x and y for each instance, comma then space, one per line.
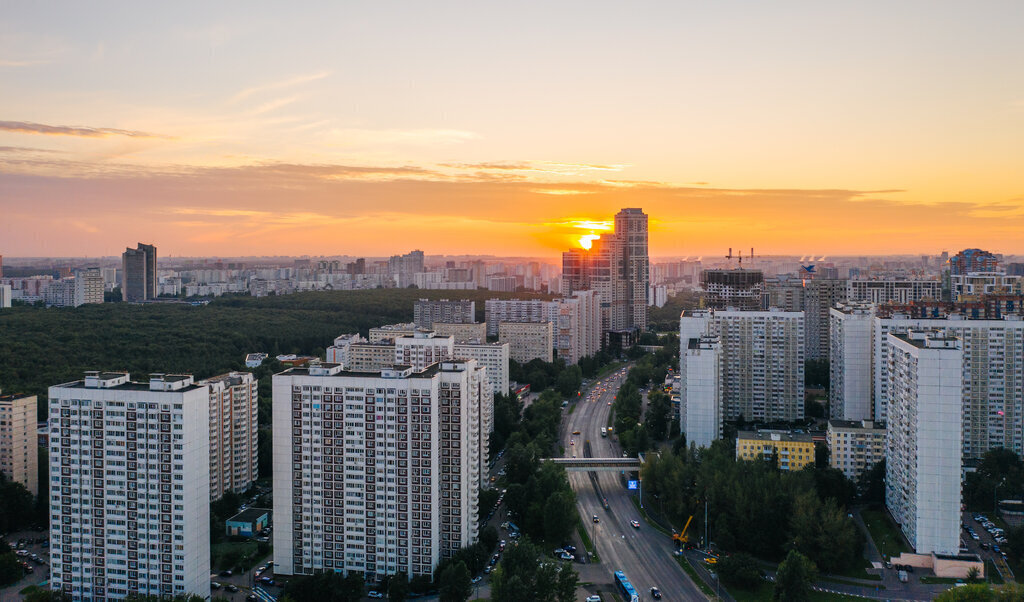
995, 504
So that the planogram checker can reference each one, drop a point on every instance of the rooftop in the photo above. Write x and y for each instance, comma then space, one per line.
857, 424
772, 435
250, 515
396, 371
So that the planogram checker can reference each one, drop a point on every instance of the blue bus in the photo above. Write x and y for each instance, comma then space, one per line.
626, 587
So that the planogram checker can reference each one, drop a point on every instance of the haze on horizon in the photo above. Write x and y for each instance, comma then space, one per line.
454, 127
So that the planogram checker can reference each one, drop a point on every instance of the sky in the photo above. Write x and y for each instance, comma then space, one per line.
359, 128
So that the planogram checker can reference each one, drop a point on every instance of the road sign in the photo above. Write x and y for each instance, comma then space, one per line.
632, 484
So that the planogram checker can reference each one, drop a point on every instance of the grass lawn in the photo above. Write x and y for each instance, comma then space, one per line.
886, 535
225, 551
859, 572
765, 592
692, 572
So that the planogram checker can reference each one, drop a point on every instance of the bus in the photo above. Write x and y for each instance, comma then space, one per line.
626, 587
604, 432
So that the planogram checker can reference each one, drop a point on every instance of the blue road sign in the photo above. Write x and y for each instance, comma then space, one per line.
632, 484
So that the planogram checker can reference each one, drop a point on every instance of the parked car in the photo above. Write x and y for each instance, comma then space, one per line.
375, 594
231, 587
595, 519
656, 593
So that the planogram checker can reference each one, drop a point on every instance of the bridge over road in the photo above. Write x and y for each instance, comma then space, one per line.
598, 464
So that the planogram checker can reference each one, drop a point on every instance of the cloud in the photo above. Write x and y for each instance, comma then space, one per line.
27, 63
26, 149
545, 167
560, 191
287, 83
27, 127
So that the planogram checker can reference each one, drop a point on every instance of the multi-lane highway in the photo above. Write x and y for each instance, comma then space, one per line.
644, 554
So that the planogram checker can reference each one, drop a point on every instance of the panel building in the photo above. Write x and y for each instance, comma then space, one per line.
129, 487
19, 446
794, 450
855, 446
86, 286
762, 371
923, 460
892, 291
138, 269
234, 433
426, 312
379, 472
700, 391
850, 366
527, 340
476, 331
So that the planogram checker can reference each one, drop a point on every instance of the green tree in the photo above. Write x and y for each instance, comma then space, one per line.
456, 585
739, 569
489, 537
567, 582
10, 570
560, 516
794, 578
398, 587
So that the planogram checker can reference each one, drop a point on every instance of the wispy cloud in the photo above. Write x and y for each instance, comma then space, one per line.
28, 127
278, 85
539, 167
560, 191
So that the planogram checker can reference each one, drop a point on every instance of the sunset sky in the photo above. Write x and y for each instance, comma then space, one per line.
216, 128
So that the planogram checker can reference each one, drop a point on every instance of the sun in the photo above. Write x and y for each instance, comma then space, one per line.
587, 240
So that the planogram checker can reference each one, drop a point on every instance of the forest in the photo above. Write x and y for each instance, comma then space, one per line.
47, 346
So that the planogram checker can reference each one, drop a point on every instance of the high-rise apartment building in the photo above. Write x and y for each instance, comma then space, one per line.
784, 292
403, 267
923, 461
892, 291
527, 340
822, 295
129, 487
737, 289
850, 366
497, 311
86, 286
234, 433
379, 473
973, 260
426, 312
762, 370
700, 391
855, 446
19, 446
617, 267
990, 376
6, 295
138, 273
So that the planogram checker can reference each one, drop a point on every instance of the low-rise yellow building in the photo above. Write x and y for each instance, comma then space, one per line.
796, 450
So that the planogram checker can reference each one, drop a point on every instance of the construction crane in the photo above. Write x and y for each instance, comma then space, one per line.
682, 538
739, 256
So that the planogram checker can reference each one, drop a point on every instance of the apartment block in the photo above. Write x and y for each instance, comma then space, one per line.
391, 331
923, 460
855, 446
975, 284
700, 391
736, 289
19, 446
422, 349
476, 331
426, 312
86, 286
795, 450
497, 311
492, 356
892, 291
762, 372
991, 376
6, 295
379, 473
822, 295
129, 487
850, 365
138, 273
234, 433
527, 340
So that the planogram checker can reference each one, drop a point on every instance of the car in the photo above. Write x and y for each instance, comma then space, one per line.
231, 587
214, 585
635, 523
476, 579
595, 519
559, 551
656, 593
251, 598
593, 598
487, 570
494, 561
375, 594
711, 560
567, 556
572, 442
569, 549
975, 537
609, 403
260, 570
984, 546
575, 432
226, 573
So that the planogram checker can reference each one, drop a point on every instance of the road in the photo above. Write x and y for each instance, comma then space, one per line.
644, 554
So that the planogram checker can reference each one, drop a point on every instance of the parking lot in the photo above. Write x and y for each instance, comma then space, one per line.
32, 548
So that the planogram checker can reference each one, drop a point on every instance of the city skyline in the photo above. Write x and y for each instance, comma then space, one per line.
805, 129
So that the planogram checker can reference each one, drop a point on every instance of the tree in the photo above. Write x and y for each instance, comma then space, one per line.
794, 578
740, 569
456, 585
398, 587
872, 484
489, 538
567, 581
972, 574
10, 570
560, 516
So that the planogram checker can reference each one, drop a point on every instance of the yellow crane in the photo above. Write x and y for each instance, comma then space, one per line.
682, 538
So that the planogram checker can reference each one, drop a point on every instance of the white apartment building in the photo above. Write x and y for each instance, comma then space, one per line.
892, 291
391, 331
422, 349
476, 331
991, 377
234, 432
85, 287
700, 391
850, 364
19, 443
527, 340
6, 295
379, 473
762, 371
923, 463
493, 356
129, 487
855, 446
497, 311
984, 283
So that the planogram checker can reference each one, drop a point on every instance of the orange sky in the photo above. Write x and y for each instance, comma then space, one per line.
458, 127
